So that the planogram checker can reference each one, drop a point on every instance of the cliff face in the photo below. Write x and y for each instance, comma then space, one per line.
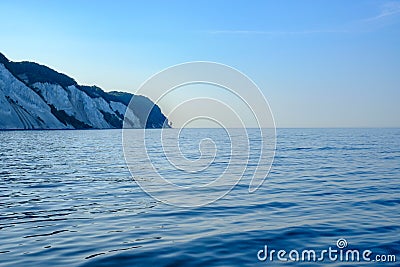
33, 96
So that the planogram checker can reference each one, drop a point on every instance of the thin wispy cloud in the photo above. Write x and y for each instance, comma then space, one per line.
388, 9
251, 32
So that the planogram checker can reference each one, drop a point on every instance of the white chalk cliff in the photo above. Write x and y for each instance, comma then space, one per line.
33, 96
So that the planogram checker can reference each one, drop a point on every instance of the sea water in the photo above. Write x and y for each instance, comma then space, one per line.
67, 198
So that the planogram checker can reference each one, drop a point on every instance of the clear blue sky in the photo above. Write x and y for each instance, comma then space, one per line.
319, 63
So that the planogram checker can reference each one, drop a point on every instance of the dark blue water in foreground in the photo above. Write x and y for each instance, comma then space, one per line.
67, 199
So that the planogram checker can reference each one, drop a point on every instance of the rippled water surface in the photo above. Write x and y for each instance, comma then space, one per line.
68, 199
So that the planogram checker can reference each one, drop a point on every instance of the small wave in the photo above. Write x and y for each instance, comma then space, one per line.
94, 255
47, 234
